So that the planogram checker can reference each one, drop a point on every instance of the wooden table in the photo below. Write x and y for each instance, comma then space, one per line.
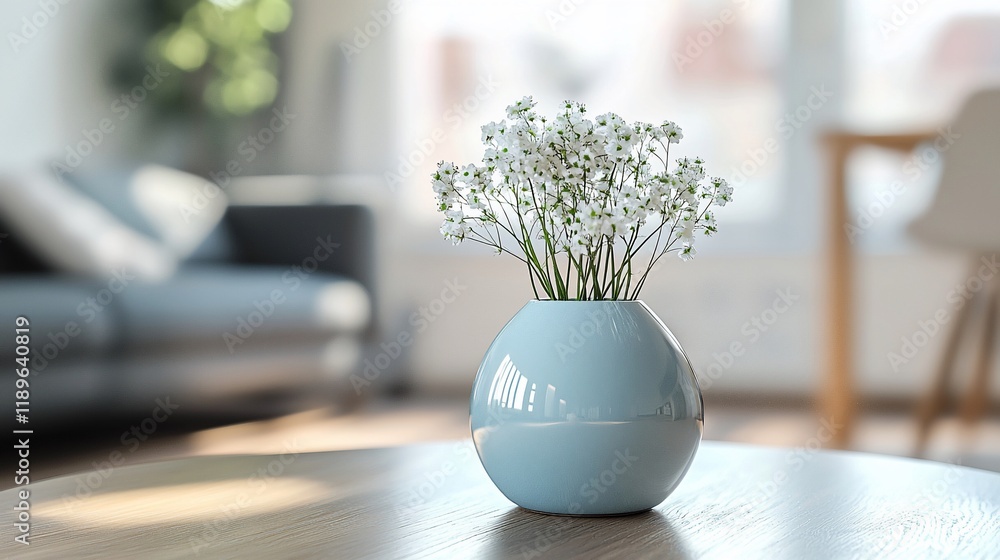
435, 501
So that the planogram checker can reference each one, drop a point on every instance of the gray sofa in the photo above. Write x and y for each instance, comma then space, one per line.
277, 310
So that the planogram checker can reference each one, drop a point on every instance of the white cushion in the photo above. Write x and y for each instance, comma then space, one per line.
181, 208
74, 234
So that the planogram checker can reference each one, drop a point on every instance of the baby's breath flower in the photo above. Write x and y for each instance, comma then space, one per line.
572, 190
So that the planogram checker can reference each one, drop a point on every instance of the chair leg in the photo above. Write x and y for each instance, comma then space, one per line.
974, 404
933, 402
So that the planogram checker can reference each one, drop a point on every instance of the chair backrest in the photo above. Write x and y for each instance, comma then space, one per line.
965, 212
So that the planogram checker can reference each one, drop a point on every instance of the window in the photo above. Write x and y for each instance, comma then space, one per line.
713, 67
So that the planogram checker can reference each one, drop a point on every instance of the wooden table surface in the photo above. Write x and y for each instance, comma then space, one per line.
435, 501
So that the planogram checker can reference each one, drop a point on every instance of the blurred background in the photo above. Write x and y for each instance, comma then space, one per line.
217, 216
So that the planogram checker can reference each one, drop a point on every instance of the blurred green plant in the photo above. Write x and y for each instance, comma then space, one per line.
222, 49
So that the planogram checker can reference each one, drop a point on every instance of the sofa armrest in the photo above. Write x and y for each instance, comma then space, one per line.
339, 239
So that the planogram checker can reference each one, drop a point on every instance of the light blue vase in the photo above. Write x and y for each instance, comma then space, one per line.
586, 408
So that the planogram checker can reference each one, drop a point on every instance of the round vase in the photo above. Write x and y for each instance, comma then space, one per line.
586, 408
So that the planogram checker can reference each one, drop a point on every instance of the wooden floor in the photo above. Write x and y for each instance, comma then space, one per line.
385, 423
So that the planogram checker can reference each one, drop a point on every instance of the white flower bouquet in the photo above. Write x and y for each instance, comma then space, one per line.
589, 206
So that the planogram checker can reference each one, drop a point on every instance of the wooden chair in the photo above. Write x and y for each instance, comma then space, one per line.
965, 217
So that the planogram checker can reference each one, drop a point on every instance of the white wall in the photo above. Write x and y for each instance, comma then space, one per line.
344, 101
37, 103
707, 303
55, 84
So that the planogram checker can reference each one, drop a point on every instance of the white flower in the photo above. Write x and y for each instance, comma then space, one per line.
521, 106
454, 226
446, 169
672, 132
723, 192
467, 173
575, 190
492, 130
440, 186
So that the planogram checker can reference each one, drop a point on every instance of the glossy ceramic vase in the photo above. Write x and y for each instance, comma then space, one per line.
586, 408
